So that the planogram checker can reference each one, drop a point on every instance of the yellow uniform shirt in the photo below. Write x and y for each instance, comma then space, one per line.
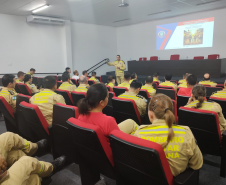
81, 88
95, 80
18, 81
131, 81
182, 150
28, 73
32, 87
118, 64
45, 101
212, 84
219, 94
150, 89
140, 101
10, 96
182, 81
124, 84
183, 85
156, 80
168, 83
212, 106
111, 85
67, 86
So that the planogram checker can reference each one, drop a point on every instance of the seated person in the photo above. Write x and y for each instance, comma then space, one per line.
68, 70
127, 78
140, 101
31, 72
167, 82
76, 75
191, 81
47, 98
220, 94
28, 82
148, 86
94, 74
156, 77
82, 84
184, 84
66, 83
183, 80
206, 81
23, 169
85, 73
8, 90
111, 81
20, 77
197, 101
180, 154
133, 77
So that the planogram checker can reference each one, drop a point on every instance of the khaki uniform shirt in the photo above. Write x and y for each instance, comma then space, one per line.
212, 106
124, 84
32, 87
182, 81
81, 88
150, 89
121, 65
219, 94
212, 84
140, 101
111, 85
18, 81
168, 83
183, 85
10, 96
156, 80
95, 80
182, 150
45, 101
67, 86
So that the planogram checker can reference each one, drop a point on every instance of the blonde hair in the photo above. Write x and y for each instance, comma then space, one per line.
199, 92
162, 107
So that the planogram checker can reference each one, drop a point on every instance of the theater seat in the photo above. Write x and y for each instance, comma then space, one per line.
59, 84
175, 57
35, 80
165, 87
59, 78
182, 101
1, 82
74, 82
76, 96
109, 88
211, 90
154, 58
25, 89
125, 109
142, 162
214, 56
61, 141
144, 93
199, 58
155, 84
67, 96
93, 149
169, 92
99, 78
108, 110
220, 85
222, 102
206, 129
91, 82
35, 122
174, 81
119, 90
142, 59
17, 89
40, 79
9, 117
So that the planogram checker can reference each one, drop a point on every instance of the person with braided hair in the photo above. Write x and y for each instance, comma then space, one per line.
178, 142
197, 101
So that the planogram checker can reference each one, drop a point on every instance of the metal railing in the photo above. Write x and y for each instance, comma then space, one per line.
105, 61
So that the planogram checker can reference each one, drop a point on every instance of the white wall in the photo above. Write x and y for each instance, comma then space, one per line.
24, 45
91, 44
140, 40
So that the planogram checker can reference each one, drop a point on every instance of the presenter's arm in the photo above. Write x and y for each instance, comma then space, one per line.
123, 66
111, 63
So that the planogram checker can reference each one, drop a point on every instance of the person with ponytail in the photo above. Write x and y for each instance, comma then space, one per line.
197, 101
178, 142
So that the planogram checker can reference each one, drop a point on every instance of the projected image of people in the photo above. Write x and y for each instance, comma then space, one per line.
193, 36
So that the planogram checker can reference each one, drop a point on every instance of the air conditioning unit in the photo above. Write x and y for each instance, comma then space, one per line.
44, 20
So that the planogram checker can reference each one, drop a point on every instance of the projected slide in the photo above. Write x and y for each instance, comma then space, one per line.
188, 34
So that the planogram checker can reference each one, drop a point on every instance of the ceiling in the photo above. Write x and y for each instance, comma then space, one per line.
107, 12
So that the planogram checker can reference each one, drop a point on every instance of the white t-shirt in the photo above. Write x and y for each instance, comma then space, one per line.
75, 77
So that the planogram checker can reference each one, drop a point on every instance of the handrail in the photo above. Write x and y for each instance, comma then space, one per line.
106, 59
96, 68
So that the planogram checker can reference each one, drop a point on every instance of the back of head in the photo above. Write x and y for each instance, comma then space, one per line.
32, 69
65, 77
192, 79
162, 106
27, 77
49, 82
6, 79
168, 77
75, 72
156, 74
133, 75
127, 76
84, 72
149, 80
136, 84
206, 77
19, 74
95, 94
199, 92
94, 73
83, 80
110, 78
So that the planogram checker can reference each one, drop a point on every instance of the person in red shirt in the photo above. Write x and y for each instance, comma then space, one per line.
191, 81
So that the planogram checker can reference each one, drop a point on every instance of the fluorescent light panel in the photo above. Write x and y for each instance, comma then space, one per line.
40, 8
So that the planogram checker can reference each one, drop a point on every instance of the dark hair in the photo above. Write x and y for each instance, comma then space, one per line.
199, 92
118, 55
168, 77
149, 79
49, 82
133, 75
32, 69
94, 73
20, 73
136, 84
27, 77
192, 79
65, 77
110, 78
84, 72
67, 68
95, 94
6, 79
156, 74
127, 76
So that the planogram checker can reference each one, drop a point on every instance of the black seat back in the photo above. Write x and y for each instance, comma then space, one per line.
168, 92
76, 96
66, 95
211, 90
221, 102
17, 89
74, 81
24, 89
144, 94
182, 101
118, 90
35, 80
59, 84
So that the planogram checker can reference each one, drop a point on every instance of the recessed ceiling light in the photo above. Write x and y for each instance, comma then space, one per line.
40, 8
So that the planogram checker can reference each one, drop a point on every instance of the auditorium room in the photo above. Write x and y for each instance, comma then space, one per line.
112, 92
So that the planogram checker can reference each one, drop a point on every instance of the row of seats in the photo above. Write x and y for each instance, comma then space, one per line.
177, 57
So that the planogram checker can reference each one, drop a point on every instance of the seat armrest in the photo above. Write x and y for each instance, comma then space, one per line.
188, 177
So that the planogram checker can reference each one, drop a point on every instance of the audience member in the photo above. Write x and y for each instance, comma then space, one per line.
167, 82
184, 84
66, 85
127, 78
28, 82
220, 94
83, 82
20, 77
111, 81
133, 77
85, 73
68, 70
47, 98
31, 72
76, 75
148, 86
156, 77
183, 80
191, 81
94, 74
206, 81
